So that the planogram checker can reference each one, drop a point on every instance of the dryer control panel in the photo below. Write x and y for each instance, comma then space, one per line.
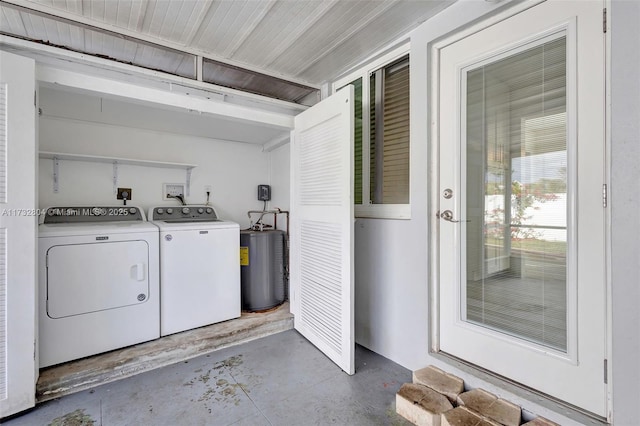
92, 214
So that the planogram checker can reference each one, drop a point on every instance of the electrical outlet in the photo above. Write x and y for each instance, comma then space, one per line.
124, 194
171, 190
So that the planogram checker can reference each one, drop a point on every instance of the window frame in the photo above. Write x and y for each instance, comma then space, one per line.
367, 209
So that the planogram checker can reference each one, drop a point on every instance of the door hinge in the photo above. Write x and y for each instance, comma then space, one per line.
606, 378
604, 20
604, 195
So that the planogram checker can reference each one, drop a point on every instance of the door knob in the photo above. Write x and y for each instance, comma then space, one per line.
448, 216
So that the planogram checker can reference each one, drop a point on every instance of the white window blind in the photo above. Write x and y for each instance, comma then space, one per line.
3, 142
516, 203
389, 179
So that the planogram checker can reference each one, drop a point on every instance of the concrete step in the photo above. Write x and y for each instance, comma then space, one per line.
440, 381
491, 406
462, 416
421, 405
437, 398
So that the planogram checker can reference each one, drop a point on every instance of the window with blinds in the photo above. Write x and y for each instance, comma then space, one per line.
517, 192
389, 155
357, 143
381, 167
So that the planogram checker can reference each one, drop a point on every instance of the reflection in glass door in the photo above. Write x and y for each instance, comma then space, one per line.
516, 198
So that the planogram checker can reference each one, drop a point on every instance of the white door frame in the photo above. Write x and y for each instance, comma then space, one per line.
433, 118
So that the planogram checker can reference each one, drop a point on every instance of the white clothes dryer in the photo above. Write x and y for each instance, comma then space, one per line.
98, 283
199, 267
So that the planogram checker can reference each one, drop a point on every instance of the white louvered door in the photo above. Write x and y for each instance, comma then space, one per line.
18, 225
322, 227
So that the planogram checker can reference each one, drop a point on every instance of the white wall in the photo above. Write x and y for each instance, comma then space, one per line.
625, 205
280, 178
232, 169
392, 289
393, 256
392, 305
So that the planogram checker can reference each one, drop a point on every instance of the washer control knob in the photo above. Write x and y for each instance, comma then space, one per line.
200, 210
159, 211
209, 210
133, 210
169, 211
185, 210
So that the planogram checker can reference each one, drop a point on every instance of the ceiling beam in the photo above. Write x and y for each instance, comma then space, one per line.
137, 93
42, 9
94, 65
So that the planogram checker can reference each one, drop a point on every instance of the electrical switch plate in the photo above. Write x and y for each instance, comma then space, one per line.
171, 190
124, 193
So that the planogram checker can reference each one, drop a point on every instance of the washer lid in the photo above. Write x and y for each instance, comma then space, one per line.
73, 229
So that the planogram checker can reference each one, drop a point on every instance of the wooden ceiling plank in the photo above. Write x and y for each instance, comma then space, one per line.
282, 22
249, 30
198, 24
346, 35
12, 19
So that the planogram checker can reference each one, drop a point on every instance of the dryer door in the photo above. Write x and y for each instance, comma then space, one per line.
83, 278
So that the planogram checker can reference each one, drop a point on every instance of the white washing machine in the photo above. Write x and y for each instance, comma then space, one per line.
99, 281
199, 267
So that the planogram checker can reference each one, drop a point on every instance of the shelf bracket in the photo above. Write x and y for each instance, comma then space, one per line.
187, 188
115, 177
56, 175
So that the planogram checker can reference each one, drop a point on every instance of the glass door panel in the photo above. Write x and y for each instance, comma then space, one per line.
516, 198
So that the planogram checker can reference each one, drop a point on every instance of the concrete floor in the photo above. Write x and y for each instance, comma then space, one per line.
277, 380
87, 373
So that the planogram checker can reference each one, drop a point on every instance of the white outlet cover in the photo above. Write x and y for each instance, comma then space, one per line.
172, 189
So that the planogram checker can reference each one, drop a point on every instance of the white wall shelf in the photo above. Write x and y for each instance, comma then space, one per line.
116, 161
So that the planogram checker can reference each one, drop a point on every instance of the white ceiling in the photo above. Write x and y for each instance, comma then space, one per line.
307, 41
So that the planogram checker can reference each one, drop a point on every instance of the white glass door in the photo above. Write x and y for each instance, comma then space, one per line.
522, 260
